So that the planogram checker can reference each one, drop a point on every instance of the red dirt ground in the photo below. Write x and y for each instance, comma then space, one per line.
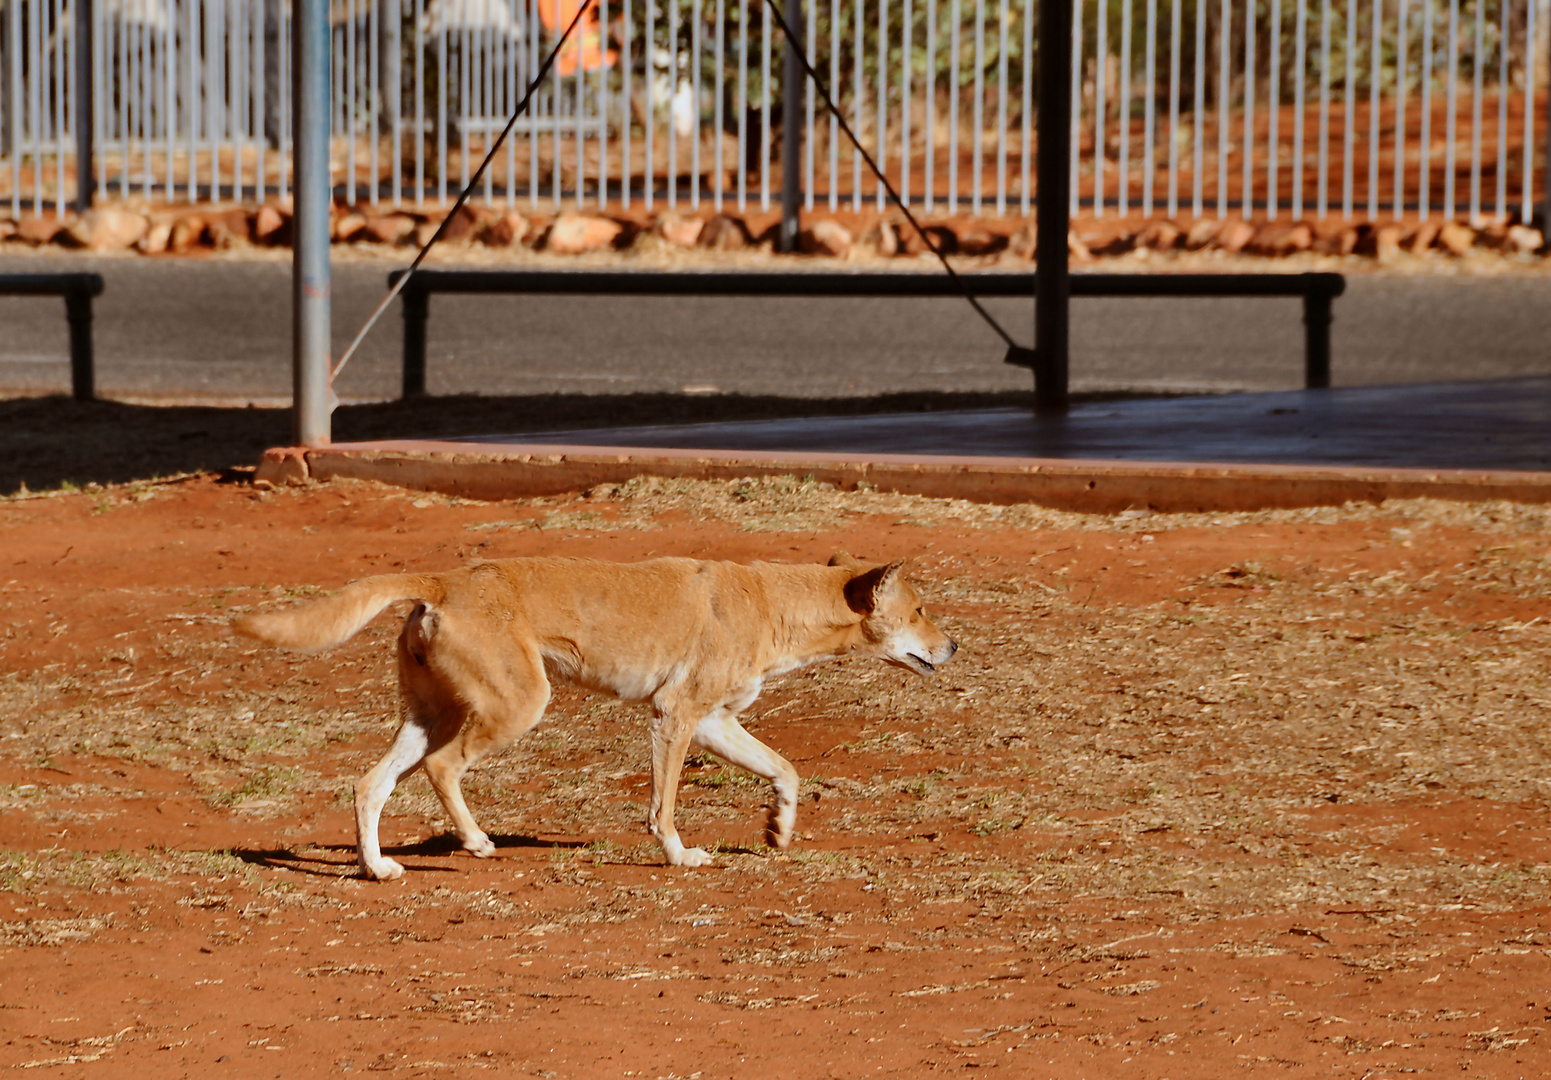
1204, 796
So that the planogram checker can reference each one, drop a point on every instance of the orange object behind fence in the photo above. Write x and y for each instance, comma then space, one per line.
585, 50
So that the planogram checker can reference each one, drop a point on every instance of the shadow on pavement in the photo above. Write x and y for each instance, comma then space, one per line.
49, 441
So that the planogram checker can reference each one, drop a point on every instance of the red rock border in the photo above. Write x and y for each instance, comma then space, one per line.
189, 230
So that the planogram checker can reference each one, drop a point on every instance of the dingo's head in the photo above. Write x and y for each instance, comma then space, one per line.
894, 625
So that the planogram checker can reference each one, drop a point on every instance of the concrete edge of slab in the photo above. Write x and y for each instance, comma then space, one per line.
494, 471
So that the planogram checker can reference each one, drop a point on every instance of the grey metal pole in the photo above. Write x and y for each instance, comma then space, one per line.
85, 103
1052, 290
791, 132
310, 285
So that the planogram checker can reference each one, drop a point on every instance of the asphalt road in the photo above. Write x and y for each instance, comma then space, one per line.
219, 328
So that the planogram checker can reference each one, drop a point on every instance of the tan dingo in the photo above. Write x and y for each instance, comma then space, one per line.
696, 639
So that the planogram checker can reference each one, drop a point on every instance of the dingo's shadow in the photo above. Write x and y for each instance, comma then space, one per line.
338, 860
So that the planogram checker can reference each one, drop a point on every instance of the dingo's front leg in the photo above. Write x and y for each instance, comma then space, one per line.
721, 734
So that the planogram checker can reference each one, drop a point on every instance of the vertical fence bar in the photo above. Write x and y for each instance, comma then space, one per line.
721, 123
1149, 104
170, 91
1324, 108
417, 14
441, 103
1001, 107
1503, 40
222, 114
59, 65
929, 107
602, 93
579, 110
1247, 197
764, 105
1174, 32
556, 109
904, 100
1198, 117
1349, 100
99, 112
1402, 52
236, 74
953, 109
1527, 205
1273, 132
1028, 100
743, 102
858, 106
1074, 142
148, 102
511, 50
258, 99
1450, 205
978, 112
1224, 56
695, 49
1477, 58
467, 51
882, 134
1424, 165
1123, 166
673, 102
1375, 76
1100, 105
374, 88
13, 104
626, 166
834, 90
810, 92
1300, 50
394, 78
929, 104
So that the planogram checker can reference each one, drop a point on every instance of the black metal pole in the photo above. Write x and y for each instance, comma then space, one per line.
85, 108
1052, 291
78, 311
1316, 345
791, 132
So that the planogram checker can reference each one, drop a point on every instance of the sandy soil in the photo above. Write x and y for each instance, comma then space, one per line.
1203, 796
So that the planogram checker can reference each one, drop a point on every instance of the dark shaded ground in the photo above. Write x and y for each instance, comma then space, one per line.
45, 442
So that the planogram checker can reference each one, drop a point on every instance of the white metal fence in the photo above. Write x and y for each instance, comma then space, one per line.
1217, 107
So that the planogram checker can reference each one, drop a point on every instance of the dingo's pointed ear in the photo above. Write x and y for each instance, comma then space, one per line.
844, 558
863, 590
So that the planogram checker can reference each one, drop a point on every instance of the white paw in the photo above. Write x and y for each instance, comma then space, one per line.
692, 857
481, 846
383, 870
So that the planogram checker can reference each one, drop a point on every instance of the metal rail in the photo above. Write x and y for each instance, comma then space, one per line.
78, 290
1363, 110
1317, 290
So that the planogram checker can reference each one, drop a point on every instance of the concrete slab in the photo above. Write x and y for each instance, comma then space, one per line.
1468, 441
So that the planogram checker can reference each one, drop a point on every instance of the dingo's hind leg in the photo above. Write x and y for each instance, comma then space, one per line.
373, 789
501, 700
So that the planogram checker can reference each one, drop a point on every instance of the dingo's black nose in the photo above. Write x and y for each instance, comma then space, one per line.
953, 646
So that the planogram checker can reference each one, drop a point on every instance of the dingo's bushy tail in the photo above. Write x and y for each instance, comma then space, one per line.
327, 622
